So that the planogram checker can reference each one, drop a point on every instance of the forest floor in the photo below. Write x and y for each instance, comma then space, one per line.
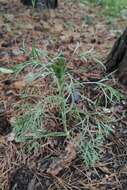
85, 36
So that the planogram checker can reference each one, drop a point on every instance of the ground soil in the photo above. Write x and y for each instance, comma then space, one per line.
73, 29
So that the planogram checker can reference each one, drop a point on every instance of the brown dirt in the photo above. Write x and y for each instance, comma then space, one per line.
65, 30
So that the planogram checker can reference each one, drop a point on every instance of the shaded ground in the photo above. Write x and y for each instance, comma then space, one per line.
72, 29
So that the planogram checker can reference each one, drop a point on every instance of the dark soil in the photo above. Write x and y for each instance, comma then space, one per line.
5, 126
25, 179
42, 4
21, 179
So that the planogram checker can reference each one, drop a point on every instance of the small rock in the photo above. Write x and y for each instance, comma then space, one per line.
11, 137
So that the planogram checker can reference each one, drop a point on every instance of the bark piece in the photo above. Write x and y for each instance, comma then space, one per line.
117, 58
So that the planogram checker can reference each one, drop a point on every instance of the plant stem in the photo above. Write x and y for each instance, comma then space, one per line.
63, 105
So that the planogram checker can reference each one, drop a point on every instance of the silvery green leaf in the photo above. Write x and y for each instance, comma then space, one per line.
6, 71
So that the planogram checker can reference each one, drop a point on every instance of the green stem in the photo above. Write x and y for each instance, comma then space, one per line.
63, 106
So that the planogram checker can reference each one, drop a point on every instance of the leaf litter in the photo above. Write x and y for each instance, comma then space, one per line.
83, 36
